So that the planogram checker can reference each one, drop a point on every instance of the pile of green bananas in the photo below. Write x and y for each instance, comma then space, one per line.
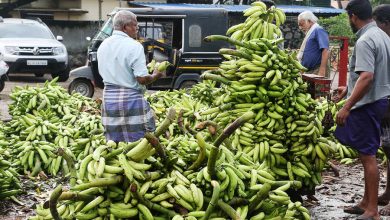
46, 119
238, 155
9, 178
287, 130
132, 180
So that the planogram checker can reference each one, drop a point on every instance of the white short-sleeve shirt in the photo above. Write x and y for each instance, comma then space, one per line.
120, 60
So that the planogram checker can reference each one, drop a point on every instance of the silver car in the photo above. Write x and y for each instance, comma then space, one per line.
28, 46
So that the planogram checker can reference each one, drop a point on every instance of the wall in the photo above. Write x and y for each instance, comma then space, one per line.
291, 33
74, 34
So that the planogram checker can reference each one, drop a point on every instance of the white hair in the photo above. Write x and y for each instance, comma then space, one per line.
122, 18
307, 16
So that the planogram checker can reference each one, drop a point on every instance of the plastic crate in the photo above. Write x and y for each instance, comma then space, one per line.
317, 86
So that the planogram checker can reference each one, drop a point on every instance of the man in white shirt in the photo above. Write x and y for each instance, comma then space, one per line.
126, 115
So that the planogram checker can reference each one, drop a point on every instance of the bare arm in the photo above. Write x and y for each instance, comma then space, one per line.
362, 86
324, 62
145, 80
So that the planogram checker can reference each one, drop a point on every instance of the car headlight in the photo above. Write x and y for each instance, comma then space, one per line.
14, 50
58, 50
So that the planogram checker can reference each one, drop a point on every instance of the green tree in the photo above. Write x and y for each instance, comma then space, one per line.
375, 3
338, 26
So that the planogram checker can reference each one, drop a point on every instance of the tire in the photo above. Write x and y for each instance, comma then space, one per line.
187, 84
39, 74
62, 75
82, 86
2, 84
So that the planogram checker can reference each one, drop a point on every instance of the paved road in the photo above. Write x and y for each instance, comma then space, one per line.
31, 80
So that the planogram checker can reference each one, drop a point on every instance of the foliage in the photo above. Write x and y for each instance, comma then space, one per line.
375, 3
338, 26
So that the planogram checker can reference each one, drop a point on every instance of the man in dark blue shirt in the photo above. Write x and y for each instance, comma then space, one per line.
314, 50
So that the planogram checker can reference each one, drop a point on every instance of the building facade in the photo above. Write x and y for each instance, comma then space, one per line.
70, 10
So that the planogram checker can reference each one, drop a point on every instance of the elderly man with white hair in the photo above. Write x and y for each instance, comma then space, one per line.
314, 51
126, 115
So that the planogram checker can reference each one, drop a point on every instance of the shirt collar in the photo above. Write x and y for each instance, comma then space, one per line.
363, 30
120, 33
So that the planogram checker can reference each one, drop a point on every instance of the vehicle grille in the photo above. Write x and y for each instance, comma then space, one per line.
35, 51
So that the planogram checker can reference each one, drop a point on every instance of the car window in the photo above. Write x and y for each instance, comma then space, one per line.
154, 33
195, 36
8, 30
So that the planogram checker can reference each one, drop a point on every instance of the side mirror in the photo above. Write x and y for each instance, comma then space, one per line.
60, 38
88, 38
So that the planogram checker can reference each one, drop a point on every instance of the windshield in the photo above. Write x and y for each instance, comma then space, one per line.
150, 32
105, 31
29, 30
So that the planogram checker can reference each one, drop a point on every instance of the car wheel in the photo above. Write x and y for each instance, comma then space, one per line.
82, 86
2, 84
39, 74
187, 84
62, 76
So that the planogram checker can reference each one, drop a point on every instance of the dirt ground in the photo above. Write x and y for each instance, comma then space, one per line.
338, 192
332, 195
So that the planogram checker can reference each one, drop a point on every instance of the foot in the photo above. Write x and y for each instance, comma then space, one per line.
367, 217
385, 210
384, 199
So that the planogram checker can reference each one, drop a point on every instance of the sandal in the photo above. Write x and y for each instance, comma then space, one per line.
354, 210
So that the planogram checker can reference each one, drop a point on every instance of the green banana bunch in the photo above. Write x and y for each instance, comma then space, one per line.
9, 178
151, 66
260, 23
160, 66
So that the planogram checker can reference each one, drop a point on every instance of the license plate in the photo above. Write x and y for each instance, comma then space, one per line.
37, 62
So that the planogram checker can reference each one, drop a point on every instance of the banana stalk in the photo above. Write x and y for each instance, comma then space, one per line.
153, 140
53, 202
75, 196
202, 152
238, 201
225, 134
214, 200
229, 210
70, 163
212, 38
261, 194
208, 75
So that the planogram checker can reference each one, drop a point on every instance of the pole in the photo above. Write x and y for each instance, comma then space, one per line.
100, 12
343, 69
